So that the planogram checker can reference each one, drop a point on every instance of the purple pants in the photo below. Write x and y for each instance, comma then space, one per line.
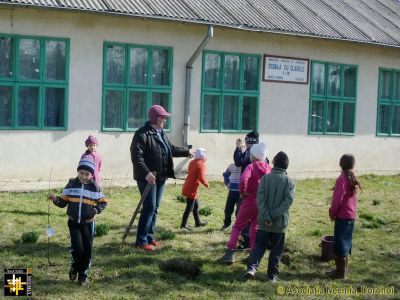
247, 214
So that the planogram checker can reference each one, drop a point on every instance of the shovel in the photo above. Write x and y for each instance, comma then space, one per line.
144, 195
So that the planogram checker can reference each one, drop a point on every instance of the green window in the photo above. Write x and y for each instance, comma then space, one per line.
230, 92
33, 82
135, 77
333, 94
388, 123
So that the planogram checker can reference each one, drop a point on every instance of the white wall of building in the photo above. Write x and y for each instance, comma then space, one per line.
27, 155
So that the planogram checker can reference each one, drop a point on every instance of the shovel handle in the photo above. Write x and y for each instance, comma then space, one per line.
144, 195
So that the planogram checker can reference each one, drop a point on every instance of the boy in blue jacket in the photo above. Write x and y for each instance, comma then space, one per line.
231, 180
84, 200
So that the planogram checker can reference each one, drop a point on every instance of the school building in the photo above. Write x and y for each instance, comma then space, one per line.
316, 78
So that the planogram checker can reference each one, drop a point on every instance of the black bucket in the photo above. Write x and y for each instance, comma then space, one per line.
327, 248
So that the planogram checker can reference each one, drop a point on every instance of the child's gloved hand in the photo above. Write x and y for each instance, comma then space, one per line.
52, 197
238, 142
93, 212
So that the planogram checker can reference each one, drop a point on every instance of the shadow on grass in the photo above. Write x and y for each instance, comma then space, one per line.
36, 253
33, 249
25, 212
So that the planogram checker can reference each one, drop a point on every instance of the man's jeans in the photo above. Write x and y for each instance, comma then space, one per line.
148, 216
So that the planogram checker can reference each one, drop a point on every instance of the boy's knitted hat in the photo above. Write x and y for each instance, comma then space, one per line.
252, 137
87, 165
91, 140
157, 111
259, 151
281, 160
200, 153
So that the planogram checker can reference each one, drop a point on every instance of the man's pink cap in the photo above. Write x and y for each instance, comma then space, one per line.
157, 111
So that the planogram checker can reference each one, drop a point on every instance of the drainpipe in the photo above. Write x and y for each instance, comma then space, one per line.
188, 83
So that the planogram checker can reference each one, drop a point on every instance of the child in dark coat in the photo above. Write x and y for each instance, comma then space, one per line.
274, 198
84, 200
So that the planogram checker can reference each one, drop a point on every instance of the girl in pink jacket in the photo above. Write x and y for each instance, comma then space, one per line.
91, 153
343, 213
249, 182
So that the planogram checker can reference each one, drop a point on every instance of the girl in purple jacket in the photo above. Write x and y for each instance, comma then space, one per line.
91, 144
343, 212
248, 211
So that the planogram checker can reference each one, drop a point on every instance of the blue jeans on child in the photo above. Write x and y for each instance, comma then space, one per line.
148, 216
343, 237
273, 242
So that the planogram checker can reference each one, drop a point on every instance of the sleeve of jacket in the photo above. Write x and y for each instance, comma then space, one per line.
244, 179
238, 157
202, 173
102, 202
62, 201
226, 175
101, 205
337, 197
138, 147
286, 202
179, 151
262, 200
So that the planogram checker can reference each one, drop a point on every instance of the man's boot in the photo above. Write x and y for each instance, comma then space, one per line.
228, 257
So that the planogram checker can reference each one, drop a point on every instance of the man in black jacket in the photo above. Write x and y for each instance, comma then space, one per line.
151, 152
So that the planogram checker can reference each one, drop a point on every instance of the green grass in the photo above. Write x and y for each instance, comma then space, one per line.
126, 273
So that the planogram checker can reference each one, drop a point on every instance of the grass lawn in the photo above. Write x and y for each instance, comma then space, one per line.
126, 273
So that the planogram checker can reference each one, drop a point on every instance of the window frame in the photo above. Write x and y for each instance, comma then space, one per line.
326, 99
221, 91
42, 83
128, 87
391, 103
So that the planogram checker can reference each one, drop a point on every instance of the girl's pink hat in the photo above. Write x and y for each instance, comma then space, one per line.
91, 140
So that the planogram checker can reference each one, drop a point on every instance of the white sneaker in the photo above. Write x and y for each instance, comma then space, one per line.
250, 274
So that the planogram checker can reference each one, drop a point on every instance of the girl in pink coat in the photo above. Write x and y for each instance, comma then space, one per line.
343, 212
91, 153
249, 182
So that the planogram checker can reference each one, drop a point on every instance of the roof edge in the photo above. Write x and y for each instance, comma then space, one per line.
173, 19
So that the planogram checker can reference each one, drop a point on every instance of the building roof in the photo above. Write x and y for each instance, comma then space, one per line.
365, 21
